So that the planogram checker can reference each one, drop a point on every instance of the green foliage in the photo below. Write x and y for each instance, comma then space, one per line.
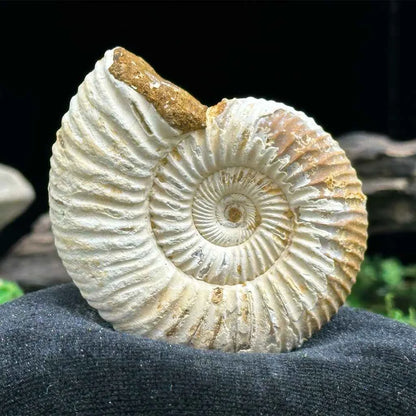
388, 287
9, 291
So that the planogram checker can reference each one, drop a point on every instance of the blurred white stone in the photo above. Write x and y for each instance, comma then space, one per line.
16, 194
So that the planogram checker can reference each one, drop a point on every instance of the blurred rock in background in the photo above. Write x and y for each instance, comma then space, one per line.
388, 171
33, 261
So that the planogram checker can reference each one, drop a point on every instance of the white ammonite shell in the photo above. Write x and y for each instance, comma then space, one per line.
240, 227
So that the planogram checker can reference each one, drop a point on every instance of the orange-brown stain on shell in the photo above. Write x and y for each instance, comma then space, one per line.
234, 214
176, 155
271, 189
256, 223
163, 300
333, 183
114, 189
217, 109
128, 229
161, 177
217, 295
276, 139
215, 332
353, 241
245, 308
180, 110
173, 329
289, 214
359, 196
163, 162
244, 139
237, 177
352, 234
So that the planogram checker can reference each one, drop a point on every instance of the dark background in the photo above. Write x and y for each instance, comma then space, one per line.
347, 64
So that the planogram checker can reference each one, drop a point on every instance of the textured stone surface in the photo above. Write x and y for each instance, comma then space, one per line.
176, 106
33, 261
388, 172
16, 194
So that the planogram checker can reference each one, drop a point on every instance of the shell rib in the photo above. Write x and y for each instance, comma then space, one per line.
240, 228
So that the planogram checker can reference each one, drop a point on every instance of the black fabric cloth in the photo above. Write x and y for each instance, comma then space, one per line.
58, 357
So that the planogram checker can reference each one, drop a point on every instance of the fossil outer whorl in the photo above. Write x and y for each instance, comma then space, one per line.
241, 227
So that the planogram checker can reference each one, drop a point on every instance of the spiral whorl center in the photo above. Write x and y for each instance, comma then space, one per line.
224, 211
233, 214
236, 223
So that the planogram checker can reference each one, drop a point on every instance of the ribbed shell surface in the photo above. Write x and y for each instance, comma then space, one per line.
246, 235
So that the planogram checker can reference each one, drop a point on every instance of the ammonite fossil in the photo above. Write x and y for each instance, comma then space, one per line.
239, 227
